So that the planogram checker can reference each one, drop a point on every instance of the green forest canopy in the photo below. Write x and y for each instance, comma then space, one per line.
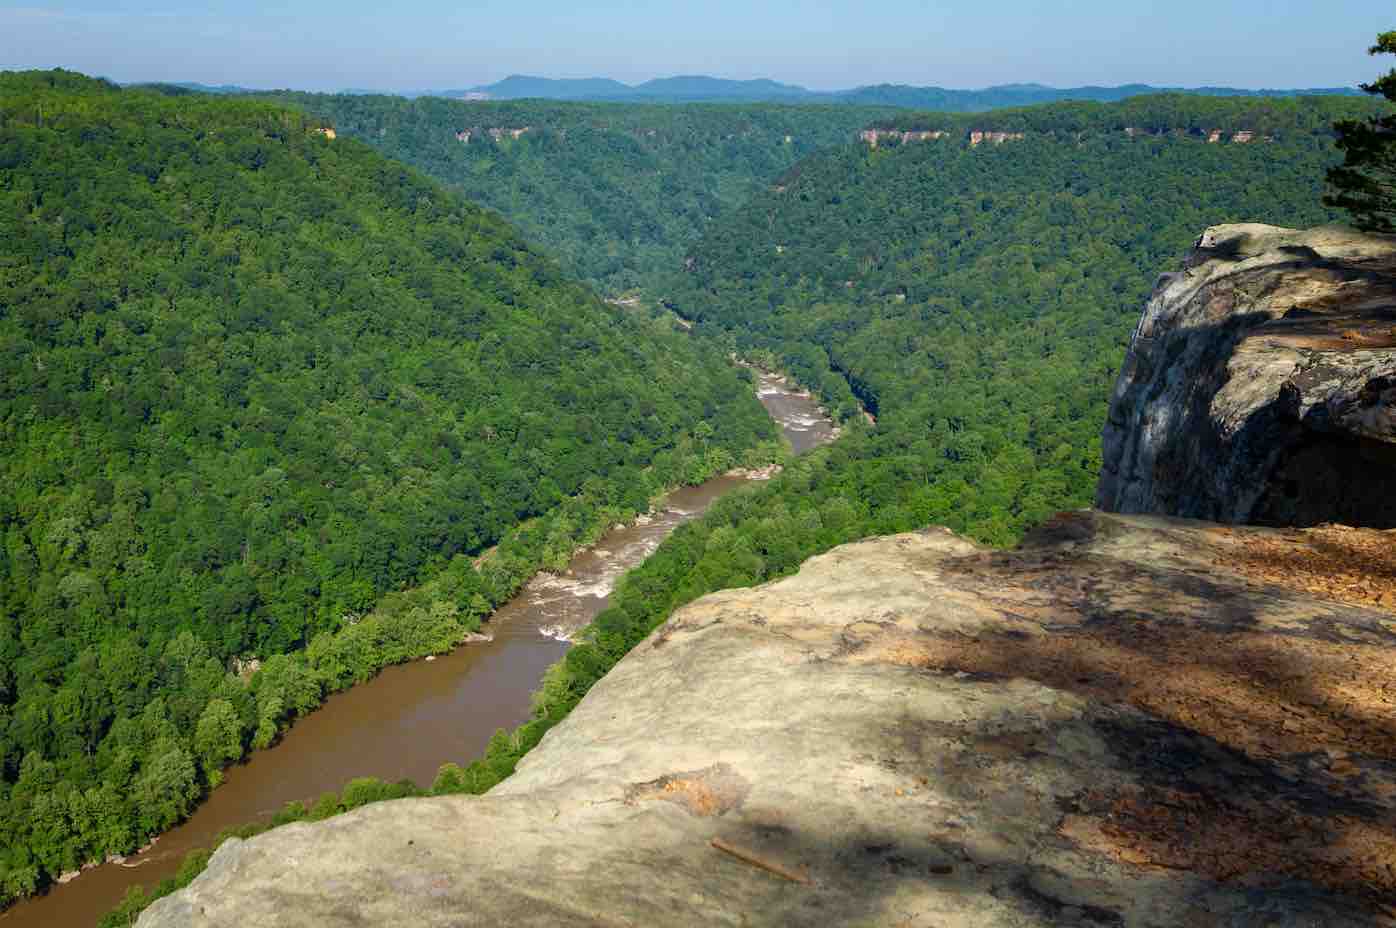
257, 384
1168, 113
617, 192
977, 299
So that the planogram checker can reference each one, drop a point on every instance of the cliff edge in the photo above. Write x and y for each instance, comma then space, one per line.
1127, 721
1260, 384
1130, 720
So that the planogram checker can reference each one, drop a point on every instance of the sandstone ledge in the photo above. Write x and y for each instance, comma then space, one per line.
1260, 384
1127, 721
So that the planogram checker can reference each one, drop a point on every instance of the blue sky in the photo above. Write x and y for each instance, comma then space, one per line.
332, 44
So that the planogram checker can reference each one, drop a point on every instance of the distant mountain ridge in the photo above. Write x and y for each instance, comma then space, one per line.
702, 88
174, 88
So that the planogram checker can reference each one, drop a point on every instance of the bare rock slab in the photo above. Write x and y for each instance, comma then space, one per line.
1260, 384
1128, 721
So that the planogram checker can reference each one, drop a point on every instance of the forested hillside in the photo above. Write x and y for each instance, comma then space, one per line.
616, 192
1288, 119
977, 298
265, 391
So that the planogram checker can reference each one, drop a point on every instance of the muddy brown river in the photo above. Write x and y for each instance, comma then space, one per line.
412, 718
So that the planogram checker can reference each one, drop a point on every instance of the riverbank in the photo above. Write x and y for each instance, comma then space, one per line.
916, 730
412, 717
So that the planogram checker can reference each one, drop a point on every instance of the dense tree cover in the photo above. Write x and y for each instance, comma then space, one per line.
616, 192
1288, 119
976, 299
266, 393
1365, 183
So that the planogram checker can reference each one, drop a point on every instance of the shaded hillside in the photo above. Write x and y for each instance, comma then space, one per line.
616, 193
255, 377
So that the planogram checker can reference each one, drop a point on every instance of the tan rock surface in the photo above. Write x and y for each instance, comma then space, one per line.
1128, 721
1260, 384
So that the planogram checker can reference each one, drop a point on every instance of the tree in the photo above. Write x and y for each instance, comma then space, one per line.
166, 787
289, 422
218, 737
1365, 183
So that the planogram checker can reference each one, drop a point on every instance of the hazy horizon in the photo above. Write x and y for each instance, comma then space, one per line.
837, 45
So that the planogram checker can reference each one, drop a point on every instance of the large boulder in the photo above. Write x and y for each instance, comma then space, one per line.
1260, 384
1129, 721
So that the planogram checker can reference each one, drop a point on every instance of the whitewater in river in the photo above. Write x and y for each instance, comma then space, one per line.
412, 718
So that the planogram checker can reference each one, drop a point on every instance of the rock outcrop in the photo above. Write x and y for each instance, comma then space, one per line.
1129, 721
897, 136
1260, 385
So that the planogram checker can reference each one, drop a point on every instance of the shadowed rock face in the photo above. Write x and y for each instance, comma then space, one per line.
1127, 721
1260, 385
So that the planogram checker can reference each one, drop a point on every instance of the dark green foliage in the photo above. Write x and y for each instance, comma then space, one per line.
265, 394
616, 192
1172, 114
977, 300
1365, 183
